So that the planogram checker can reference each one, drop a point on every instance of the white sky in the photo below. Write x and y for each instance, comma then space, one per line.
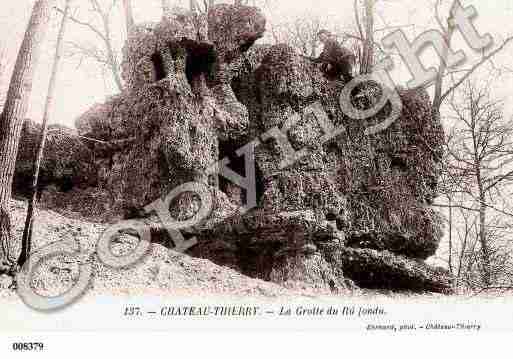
80, 87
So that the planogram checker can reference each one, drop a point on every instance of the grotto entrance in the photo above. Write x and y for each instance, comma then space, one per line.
237, 164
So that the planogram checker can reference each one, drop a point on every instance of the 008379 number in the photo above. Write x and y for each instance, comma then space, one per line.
27, 347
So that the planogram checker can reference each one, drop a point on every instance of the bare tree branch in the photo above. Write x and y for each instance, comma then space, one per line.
475, 67
104, 34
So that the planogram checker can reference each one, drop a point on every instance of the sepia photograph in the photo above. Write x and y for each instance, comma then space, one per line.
329, 165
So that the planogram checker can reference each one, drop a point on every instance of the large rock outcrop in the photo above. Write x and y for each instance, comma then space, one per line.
68, 162
354, 210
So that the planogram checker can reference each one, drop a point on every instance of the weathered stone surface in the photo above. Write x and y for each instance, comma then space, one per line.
181, 117
352, 207
381, 269
378, 186
93, 203
309, 269
67, 163
234, 29
280, 247
172, 142
176, 48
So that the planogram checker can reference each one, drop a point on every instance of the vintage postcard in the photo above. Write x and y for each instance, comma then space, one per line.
341, 166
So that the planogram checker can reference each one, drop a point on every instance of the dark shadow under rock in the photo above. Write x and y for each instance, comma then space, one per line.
383, 270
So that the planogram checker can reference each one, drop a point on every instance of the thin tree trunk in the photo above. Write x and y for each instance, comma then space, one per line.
437, 99
107, 39
462, 253
130, 23
368, 46
450, 235
166, 9
129, 16
483, 240
104, 34
28, 231
194, 7
15, 110
114, 66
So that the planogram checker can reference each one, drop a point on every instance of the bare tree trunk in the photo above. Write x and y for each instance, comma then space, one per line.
441, 95
113, 63
166, 9
451, 270
193, 5
462, 252
478, 165
108, 55
129, 16
368, 45
437, 100
478, 149
15, 110
28, 231
114, 68
483, 237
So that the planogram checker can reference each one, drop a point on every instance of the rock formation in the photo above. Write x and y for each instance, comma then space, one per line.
353, 211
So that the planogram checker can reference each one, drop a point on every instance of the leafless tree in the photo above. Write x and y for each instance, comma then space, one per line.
466, 265
166, 8
476, 216
301, 32
202, 6
129, 16
29, 228
366, 32
99, 23
249, 2
466, 260
458, 76
14, 113
478, 171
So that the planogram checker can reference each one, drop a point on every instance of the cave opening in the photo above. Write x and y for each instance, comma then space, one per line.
237, 164
65, 184
399, 163
158, 64
200, 59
